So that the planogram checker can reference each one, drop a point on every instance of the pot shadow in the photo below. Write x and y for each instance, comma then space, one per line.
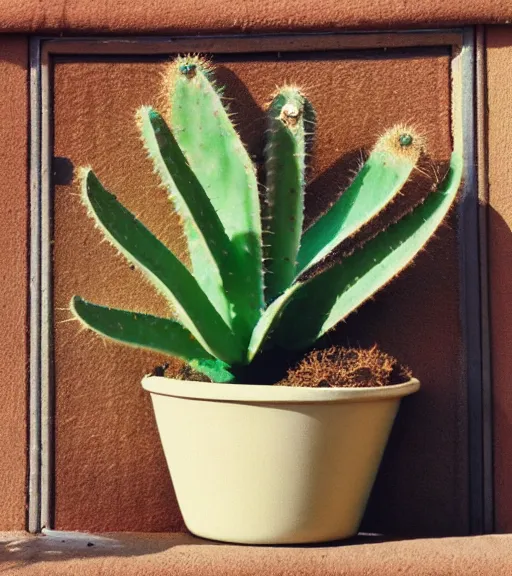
358, 540
499, 242
419, 471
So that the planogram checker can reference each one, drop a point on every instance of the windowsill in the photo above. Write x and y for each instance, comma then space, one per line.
127, 554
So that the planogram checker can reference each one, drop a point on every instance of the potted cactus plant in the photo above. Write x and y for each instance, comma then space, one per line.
261, 463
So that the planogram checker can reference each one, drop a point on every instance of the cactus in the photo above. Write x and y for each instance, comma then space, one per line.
291, 116
247, 292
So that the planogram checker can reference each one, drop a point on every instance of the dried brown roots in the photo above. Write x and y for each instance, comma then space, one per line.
346, 367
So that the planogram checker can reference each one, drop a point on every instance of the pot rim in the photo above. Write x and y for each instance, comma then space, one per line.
259, 393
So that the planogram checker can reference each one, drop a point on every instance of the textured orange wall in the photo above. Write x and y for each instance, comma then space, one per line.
191, 16
110, 472
13, 279
499, 69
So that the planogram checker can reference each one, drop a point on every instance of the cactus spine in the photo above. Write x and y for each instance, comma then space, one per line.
224, 316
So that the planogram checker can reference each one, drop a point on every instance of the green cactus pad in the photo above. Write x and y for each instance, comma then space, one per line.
141, 330
162, 268
312, 308
376, 185
218, 158
215, 261
204, 267
291, 121
151, 332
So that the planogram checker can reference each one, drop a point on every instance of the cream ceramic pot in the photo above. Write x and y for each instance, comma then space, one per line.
273, 464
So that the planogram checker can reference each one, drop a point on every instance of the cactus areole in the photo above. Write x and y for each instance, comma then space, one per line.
246, 292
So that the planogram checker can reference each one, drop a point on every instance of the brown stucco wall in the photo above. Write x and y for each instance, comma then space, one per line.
110, 472
191, 16
13, 279
499, 69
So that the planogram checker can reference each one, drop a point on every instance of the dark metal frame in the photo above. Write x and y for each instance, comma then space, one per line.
468, 133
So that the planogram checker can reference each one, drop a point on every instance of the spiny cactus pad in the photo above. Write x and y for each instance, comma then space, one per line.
247, 291
291, 116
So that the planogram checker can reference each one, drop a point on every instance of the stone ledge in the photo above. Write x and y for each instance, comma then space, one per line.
248, 16
126, 554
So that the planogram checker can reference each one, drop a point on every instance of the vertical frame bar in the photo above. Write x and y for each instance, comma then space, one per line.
474, 300
483, 197
470, 285
47, 384
41, 382
34, 472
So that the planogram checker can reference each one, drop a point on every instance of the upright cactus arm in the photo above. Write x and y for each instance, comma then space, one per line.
205, 232
163, 269
320, 303
291, 123
309, 309
206, 135
379, 181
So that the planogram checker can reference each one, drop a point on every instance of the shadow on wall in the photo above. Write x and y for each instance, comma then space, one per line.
424, 470
500, 294
403, 492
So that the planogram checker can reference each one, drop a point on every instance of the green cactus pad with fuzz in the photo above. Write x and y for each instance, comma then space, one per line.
151, 332
317, 305
141, 330
205, 269
308, 309
291, 120
217, 265
206, 135
162, 268
376, 185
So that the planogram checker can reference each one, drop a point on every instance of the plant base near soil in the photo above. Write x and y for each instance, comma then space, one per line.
333, 367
